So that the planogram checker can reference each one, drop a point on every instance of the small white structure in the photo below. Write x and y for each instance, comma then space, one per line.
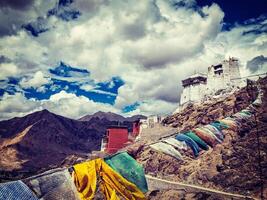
225, 75
150, 122
153, 120
144, 123
103, 144
194, 88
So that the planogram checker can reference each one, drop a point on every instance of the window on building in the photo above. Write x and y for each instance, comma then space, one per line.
217, 67
218, 72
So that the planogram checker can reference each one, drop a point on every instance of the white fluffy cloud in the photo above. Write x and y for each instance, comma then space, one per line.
62, 103
150, 45
74, 106
17, 105
70, 105
180, 36
36, 81
157, 107
87, 87
7, 70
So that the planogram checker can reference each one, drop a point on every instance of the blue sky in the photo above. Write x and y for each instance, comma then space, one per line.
104, 92
76, 57
238, 11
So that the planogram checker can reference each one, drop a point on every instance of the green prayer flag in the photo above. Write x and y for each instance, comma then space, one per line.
127, 166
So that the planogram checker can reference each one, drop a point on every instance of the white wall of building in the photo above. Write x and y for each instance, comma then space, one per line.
221, 77
216, 82
193, 93
230, 76
234, 72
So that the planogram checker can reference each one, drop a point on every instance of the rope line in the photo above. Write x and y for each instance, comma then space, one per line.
259, 154
249, 76
157, 183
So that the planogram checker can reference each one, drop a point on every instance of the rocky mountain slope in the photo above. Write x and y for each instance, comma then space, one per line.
238, 165
44, 140
111, 117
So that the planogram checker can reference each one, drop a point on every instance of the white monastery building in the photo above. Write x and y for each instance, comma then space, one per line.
225, 75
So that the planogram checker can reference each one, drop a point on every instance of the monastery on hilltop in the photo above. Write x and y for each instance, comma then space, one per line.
224, 76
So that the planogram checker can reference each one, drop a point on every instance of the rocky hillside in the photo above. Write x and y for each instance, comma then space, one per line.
238, 165
204, 113
42, 140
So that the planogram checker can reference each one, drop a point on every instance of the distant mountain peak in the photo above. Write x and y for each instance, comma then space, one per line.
42, 113
100, 112
110, 116
45, 111
44, 133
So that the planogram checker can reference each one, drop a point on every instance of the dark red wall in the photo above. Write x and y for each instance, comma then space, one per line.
117, 137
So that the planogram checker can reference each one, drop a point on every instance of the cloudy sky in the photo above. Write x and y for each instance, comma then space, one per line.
76, 57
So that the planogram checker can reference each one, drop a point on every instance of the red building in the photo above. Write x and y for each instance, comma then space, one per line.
117, 137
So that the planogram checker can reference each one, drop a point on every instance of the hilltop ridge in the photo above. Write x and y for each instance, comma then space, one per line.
111, 117
232, 166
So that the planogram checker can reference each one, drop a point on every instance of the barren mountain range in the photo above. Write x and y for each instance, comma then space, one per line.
111, 117
42, 140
